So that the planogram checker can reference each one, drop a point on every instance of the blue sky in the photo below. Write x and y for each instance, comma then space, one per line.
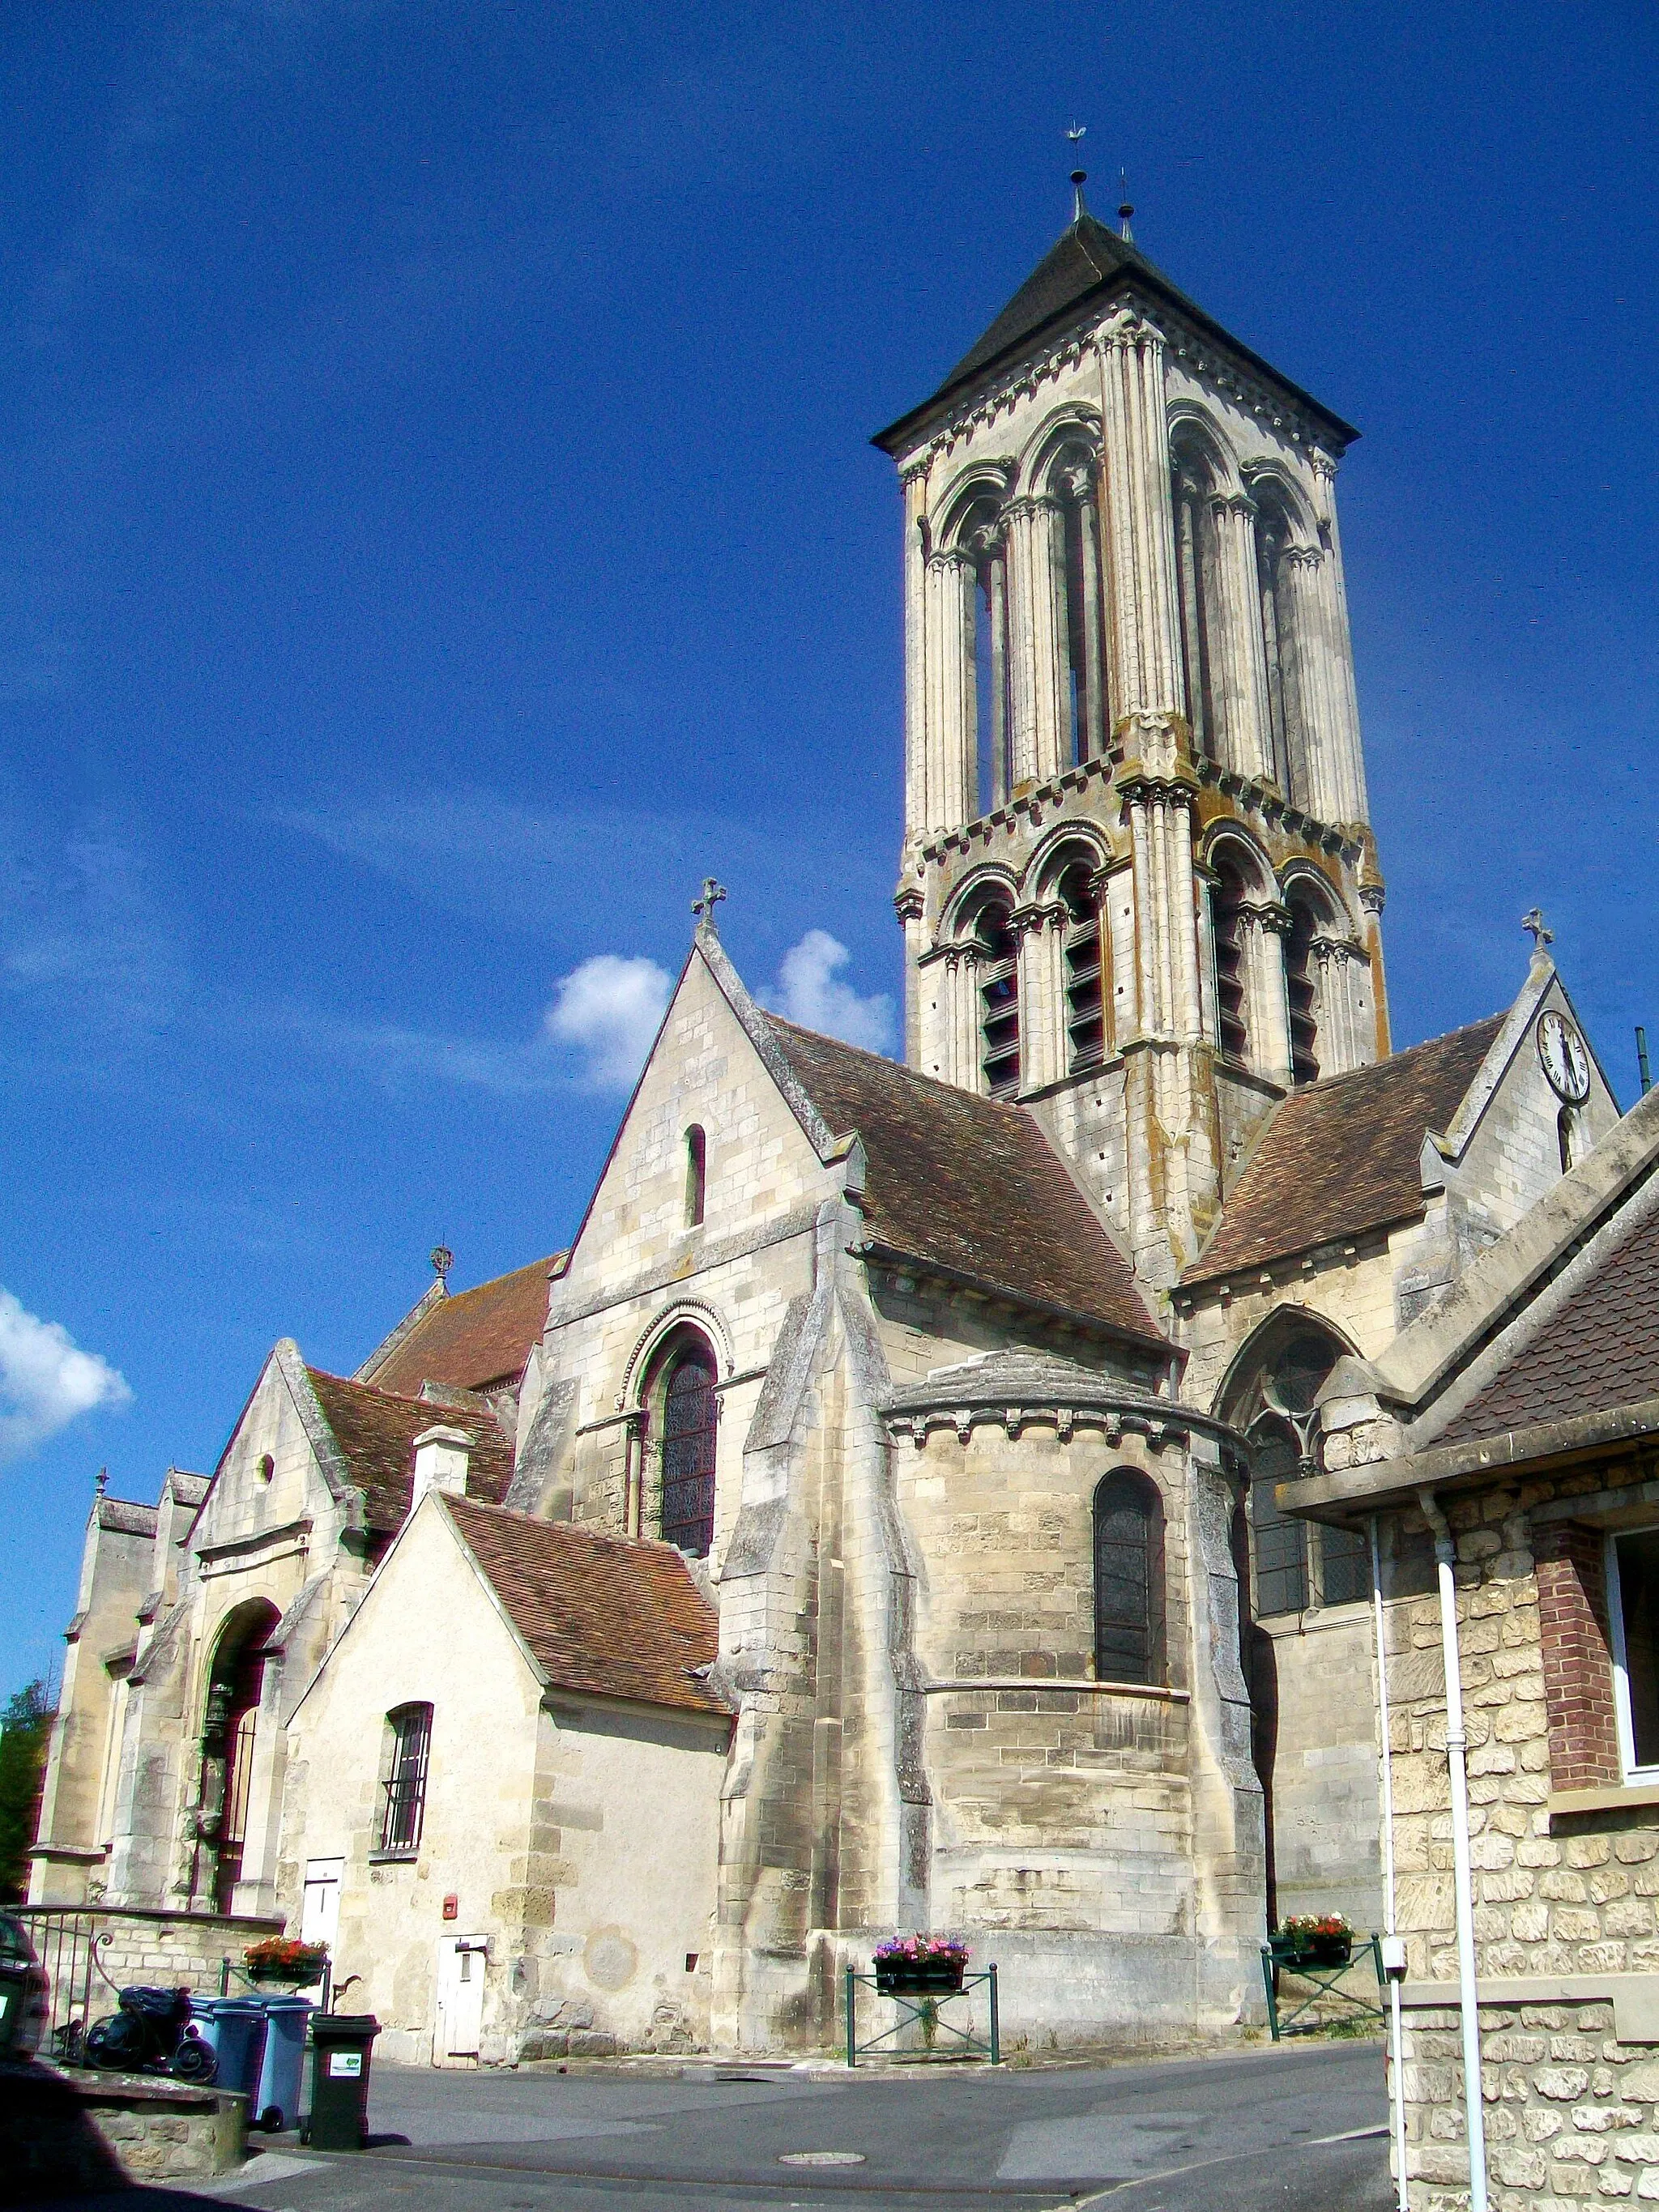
437, 524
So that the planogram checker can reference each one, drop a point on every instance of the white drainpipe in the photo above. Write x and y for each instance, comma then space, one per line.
1456, 1748
1393, 1948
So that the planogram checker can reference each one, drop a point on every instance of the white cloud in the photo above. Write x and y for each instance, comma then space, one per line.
46, 1380
610, 1008
810, 992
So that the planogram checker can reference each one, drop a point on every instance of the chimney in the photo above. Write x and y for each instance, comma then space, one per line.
440, 1456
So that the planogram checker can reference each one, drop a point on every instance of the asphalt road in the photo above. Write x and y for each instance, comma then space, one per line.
1296, 2128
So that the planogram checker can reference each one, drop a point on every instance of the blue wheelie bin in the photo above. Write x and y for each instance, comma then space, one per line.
275, 2103
233, 2028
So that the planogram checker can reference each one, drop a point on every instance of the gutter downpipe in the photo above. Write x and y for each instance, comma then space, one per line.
1390, 1926
1457, 1754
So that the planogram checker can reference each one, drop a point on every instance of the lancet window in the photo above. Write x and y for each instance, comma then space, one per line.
1193, 488
988, 695
689, 1417
1129, 1606
1084, 1015
1074, 478
1302, 989
999, 1000
1227, 898
696, 1172
1295, 1564
1280, 643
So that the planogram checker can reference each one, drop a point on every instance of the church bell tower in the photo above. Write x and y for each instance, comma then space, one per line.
1138, 891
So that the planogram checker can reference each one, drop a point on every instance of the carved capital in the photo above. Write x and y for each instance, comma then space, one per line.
1237, 504
1371, 897
909, 903
1032, 920
1268, 916
1126, 327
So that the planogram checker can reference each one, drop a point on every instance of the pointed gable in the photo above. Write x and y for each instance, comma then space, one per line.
1342, 1157
1600, 1349
615, 1616
375, 1432
966, 1185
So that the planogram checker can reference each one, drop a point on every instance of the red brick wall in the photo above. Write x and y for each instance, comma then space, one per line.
1572, 1602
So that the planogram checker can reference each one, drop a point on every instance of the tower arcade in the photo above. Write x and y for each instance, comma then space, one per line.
1139, 890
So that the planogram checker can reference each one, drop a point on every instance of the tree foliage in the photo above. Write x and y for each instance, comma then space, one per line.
25, 1726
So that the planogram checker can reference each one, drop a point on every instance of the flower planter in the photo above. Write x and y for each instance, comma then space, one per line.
903, 1977
1312, 1951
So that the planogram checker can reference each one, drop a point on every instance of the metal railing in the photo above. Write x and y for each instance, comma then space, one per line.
68, 1944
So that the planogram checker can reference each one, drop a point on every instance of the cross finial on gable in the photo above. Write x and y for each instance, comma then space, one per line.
1533, 922
703, 908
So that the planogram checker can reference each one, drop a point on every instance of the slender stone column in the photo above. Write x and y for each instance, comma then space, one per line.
1140, 519
1041, 995
1318, 747
1346, 752
999, 700
914, 486
1037, 643
1238, 660
1270, 1012
963, 988
1092, 617
920, 1029
951, 745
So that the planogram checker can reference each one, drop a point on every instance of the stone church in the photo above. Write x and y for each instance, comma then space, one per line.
875, 1520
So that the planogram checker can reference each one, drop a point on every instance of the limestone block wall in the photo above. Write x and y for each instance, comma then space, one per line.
1326, 1847
1066, 1840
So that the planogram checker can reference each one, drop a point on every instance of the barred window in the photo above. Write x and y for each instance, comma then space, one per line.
408, 1740
1129, 1638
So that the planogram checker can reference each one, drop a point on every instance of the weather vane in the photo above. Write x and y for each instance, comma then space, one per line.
442, 1261
703, 908
1075, 133
1532, 922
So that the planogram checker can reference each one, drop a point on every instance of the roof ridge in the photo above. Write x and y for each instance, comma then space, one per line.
490, 1282
607, 1536
402, 1397
1326, 1083
886, 1062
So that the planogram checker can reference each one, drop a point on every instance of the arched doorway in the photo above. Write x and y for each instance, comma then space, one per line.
230, 1730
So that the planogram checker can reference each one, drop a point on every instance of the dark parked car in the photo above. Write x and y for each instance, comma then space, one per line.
22, 1991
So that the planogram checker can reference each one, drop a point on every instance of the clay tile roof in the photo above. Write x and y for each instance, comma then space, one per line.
615, 1615
967, 1184
376, 1434
1341, 1156
1600, 1351
472, 1338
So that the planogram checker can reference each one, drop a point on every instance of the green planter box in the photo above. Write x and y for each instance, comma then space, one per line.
937, 1977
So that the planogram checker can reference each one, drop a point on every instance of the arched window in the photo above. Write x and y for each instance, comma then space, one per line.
1231, 984
1073, 481
1302, 990
1297, 1565
230, 1730
1129, 1629
1084, 1020
696, 1161
690, 1418
1280, 641
1192, 486
983, 540
407, 1747
999, 1000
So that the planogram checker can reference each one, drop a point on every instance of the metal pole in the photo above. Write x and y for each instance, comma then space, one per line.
996, 2046
1642, 1058
1462, 1880
852, 2043
1396, 2076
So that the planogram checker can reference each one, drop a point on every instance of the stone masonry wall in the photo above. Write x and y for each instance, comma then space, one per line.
1572, 2114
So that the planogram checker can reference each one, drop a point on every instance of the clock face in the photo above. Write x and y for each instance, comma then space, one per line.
1565, 1062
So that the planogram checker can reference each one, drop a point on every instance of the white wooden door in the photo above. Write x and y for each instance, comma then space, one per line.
320, 1910
460, 1998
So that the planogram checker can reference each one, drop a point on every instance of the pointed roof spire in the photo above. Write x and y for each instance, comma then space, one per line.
1125, 210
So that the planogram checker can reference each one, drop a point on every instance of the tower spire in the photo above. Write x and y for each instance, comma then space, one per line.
1125, 210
